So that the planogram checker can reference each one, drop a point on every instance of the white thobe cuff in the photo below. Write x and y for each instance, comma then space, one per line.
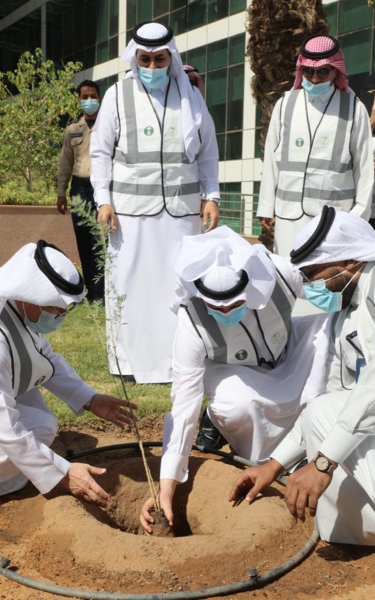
102, 196
267, 212
339, 444
174, 466
51, 477
288, 453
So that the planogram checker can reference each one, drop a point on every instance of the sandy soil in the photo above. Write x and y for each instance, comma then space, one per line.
57, 539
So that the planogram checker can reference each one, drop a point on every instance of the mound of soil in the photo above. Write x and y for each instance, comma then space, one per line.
60, 540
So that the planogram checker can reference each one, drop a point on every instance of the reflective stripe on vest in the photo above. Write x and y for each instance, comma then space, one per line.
318, 170
273, 324
151, 171
30, 367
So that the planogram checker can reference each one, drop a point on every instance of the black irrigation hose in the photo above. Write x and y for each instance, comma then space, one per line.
255, 581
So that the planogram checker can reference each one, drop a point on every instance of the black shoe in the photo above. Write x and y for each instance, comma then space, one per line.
208, 435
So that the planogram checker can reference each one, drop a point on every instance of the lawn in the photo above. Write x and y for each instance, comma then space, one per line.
82, 342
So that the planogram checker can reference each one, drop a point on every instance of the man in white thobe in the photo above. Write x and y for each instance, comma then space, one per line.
336, 431
236, 343
318, 148
153, 148
38, 287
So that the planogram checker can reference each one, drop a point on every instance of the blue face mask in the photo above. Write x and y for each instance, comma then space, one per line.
46, 323
316, 90
90, 106
153, 78
320, 296
230, 318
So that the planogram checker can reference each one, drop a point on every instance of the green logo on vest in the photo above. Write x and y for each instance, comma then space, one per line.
324, 140
299, 142
275, 338
39, 381
241, 355
148, 130
172, 131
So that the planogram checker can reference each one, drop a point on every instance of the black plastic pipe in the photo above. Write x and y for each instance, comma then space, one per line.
254, 582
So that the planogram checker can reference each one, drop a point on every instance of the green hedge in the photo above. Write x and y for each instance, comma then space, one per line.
15, 192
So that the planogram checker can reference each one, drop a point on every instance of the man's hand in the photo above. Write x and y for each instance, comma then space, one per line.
62, 204
254, 479
112, 409
78, 481
304, 489
166, 493
266, 222
106, 215
210, 211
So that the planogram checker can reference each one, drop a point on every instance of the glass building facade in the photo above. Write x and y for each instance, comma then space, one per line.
211, 36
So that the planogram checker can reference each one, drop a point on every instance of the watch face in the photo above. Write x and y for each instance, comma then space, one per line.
322, 463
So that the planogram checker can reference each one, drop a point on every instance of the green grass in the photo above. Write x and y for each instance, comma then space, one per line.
82, 342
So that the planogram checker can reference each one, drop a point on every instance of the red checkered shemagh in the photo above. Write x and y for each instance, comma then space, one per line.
323, 43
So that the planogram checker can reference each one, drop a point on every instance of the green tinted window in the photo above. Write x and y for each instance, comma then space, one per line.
113, 47
357, 50
144, 11
217, 54
221, 145
234, 146
178, 21
197, 58
131, 13
331, 16
217, 9
237, 49
113, 17
197, 14
235, 97
258, 150
256, 228
160, 7
236, 6
216, 97
102, 27
102, 52
178, 4
354, 15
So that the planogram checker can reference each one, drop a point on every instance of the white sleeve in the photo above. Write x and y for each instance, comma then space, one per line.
103, 138
43, 467
208, 155
290, 274
363, 166
270, 172
65, 383
187, 393
292, 448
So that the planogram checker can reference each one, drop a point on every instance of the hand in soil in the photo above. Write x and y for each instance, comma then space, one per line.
253, 480
166, 493
78, 481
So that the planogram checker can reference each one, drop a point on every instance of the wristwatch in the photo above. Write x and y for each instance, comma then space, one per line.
323, 464
216, 200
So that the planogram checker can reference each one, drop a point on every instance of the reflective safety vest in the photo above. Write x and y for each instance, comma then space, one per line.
236, 345
151, 171
29, 367
315, 167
